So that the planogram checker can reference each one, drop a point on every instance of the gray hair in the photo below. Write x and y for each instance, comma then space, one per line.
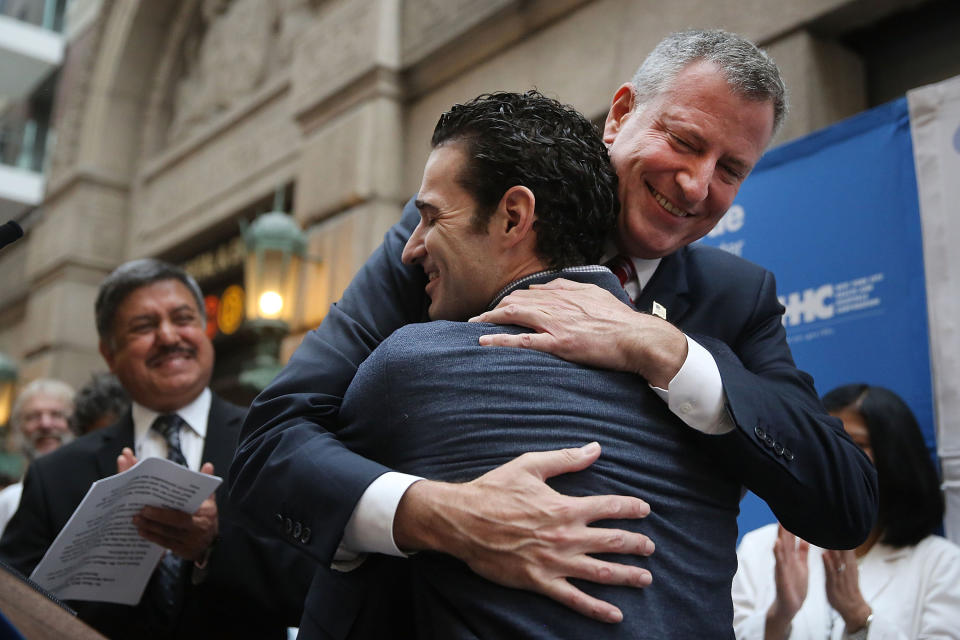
41, 387
749, 70
129, 277
50, 387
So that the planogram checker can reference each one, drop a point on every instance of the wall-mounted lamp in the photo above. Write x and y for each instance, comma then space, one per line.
276, 249
8, 381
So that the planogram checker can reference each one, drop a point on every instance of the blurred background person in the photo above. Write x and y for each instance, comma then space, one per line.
902, 582
38, 424
99, 403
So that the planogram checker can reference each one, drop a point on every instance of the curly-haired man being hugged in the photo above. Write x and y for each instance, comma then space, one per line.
518, 190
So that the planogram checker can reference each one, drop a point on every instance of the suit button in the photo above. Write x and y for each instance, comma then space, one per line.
685, 407
778, 449
760, 433
278, 519
288, 525
305, 536
787, 454
297, 528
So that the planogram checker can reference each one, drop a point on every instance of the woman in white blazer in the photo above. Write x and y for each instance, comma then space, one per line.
902, 583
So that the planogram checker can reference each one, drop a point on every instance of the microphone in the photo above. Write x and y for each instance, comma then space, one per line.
10, 232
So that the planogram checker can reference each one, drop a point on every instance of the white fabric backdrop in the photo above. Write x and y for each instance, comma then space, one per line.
935, 127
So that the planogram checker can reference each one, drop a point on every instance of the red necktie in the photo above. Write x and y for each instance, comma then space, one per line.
623, 268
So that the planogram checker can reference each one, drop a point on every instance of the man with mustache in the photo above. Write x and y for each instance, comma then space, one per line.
215, 580
39, 422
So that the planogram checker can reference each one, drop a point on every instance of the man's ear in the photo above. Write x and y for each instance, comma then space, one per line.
107, 353
620, 110
518, 212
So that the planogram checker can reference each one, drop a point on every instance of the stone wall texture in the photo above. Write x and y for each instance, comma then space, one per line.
174, 117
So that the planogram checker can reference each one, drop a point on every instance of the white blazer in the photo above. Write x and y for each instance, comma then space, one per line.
914, 591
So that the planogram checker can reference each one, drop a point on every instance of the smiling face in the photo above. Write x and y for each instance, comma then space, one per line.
681, 158
44, 424
159, 350
460, 261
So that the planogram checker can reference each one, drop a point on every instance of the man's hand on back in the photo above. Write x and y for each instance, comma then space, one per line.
510, 527
585, 324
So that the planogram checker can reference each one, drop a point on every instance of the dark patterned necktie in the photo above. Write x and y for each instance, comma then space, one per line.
623, 268
168, 425
165, 586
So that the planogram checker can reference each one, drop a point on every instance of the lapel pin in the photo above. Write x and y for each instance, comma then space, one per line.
659, 310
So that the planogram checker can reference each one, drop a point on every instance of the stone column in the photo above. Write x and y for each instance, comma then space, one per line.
347, 100
825, 83
81, 233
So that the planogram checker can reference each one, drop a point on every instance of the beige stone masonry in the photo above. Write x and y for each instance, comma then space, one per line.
444, 38
188, 190
351, 41
60, 315
85, 226
352, 159
13, 281
345, 242
825, 83
67, 363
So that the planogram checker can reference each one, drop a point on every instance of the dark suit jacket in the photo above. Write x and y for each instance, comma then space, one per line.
449, 409
254, 587
785, 447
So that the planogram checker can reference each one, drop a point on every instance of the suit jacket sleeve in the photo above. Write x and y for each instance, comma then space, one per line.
291, 474
785, 447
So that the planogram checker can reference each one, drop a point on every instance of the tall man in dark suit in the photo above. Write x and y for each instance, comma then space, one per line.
682, 136
216, 581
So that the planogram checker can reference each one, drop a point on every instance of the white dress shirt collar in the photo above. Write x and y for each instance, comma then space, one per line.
645, 269
195, 415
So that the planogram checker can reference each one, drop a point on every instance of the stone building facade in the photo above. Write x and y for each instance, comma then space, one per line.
177, 118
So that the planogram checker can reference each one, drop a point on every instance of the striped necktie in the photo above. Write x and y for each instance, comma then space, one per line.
165, 586
168, 425
623, 268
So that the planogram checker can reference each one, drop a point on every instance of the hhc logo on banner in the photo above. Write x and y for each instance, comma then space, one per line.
827, 301
808, 306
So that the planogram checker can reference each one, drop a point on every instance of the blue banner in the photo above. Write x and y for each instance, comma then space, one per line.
835, 216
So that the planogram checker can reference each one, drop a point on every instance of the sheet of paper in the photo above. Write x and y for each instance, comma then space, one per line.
98, 555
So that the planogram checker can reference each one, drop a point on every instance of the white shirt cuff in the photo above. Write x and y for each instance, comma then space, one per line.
695, 394
370, 527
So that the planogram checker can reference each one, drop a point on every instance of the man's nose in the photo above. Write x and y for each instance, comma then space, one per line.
414, 250
694, 181
167, 333
47, 420
51, 420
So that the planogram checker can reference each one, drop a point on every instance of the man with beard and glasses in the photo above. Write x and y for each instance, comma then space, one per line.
39, 424
216, 580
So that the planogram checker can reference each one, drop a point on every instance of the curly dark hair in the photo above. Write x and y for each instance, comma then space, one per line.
102, 396
530, 140
911, 503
